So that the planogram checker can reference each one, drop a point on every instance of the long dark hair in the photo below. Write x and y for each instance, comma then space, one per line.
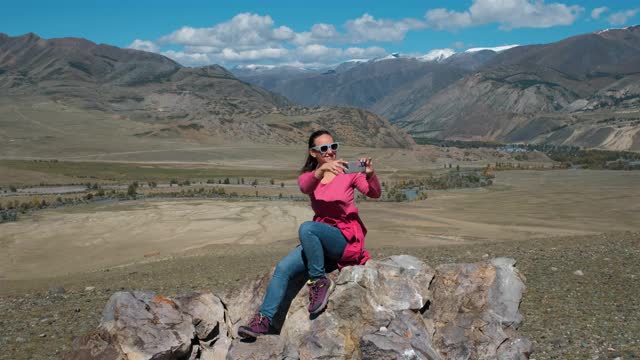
311, 163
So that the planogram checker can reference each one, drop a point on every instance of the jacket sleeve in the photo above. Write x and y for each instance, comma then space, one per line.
369, 187
308, 182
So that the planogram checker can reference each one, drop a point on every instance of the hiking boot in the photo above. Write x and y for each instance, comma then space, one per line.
319, 292
259, 325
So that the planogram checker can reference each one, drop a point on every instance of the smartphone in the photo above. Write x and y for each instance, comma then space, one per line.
354, 167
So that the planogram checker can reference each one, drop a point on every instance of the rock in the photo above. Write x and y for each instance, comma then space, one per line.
242, 303
407, 337
147, 325
195, 352
142, 325
578, 273
216, 351
42, 335
366, 299
412, 293
519, 348
99, 345
475, 309
56, 290
207, 314
553, 268
393, 308
208, 318
20, 339
89, 288
271, 347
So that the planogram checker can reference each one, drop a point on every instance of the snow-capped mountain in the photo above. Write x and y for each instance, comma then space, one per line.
436, 55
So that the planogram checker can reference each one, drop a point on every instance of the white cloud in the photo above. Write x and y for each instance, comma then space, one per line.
443, 19
367, 28
363, 29
188, 59
510, 14
324, 31
317, 53
319, 33
252, 38
364, 53
244, 31
595, 13
190, 49
231, 55
144, 45
621, 18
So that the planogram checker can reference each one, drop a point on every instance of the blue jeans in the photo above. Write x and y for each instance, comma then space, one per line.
320, 245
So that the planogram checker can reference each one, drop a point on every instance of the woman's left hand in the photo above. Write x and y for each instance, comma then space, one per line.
368, 166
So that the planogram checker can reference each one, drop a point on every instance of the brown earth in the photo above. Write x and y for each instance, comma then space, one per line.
554, 223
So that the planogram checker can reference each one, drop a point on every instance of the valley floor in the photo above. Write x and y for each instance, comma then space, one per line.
553, 223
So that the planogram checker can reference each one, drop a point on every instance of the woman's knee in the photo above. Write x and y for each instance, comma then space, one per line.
306, 229
283, 269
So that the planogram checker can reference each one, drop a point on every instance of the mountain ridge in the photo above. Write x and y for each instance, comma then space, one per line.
167, 99
579, 91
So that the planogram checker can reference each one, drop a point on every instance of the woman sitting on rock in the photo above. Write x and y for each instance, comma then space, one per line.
334, 237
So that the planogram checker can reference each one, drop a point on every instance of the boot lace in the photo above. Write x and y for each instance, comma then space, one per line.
313, 292
259, 320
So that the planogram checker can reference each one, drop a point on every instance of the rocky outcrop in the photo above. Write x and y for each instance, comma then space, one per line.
395, 308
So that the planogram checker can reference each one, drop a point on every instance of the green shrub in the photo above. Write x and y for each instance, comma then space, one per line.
131, 190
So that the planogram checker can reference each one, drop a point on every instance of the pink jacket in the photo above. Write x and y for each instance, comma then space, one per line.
333, 204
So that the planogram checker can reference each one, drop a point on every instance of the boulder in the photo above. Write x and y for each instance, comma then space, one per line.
148, 326
366, 298
143, 325
395, 308
271, 347
407, 337
98, 345
475, 310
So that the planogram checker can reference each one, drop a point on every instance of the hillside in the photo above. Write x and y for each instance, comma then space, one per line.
580, 91
139, 100
392, 87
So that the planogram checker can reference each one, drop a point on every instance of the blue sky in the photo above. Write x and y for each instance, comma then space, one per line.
312, 33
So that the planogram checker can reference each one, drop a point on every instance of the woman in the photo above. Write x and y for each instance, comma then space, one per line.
335, 236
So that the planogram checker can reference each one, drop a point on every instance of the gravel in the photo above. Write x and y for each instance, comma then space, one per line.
595, 315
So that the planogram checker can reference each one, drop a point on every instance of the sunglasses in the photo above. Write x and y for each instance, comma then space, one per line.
324, 148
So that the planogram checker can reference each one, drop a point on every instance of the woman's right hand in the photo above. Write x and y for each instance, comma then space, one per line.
334, 166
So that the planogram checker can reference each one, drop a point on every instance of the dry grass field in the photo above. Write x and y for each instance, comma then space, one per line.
521, 205
552, 222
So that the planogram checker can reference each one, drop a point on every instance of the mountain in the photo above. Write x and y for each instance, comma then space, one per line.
270, 77
392, 86
582, 91
160, 98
